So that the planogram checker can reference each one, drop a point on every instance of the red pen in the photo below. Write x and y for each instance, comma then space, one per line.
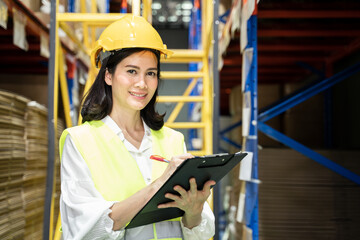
159, 158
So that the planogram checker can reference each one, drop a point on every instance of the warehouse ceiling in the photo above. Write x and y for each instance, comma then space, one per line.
296, 38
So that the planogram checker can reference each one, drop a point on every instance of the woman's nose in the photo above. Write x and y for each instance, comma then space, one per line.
141, 82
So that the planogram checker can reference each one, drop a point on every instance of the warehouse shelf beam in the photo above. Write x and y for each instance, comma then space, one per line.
299, 96
228, 140
304, 94
33, 24
303, 14
312, 69
348, 49
307, 33
231, 127
308, 152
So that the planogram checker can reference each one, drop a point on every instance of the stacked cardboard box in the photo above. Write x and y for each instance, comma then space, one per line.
267, 94
36, 168
35, 172
23, 167
301, 199
12, 167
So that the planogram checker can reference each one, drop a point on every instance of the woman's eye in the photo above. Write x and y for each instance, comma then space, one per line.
131, 71
152, 74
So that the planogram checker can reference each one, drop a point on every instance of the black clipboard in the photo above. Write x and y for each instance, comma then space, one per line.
213, 167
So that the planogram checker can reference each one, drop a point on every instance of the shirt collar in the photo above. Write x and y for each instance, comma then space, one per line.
117, 130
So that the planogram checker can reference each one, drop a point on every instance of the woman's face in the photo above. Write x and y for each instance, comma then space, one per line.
134, 81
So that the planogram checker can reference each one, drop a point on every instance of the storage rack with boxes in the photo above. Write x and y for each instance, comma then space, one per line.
297, 54
24, 136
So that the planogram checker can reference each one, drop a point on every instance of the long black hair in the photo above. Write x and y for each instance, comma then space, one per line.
97, 103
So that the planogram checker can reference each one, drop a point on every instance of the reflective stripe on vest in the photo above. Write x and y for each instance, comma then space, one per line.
111, 164
167, 230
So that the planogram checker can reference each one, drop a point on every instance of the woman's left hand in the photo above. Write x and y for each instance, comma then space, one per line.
191, 202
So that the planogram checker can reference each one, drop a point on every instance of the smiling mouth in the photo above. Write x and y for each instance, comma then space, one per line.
138, 95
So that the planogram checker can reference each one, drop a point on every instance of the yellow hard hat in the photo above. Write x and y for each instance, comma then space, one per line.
128, 32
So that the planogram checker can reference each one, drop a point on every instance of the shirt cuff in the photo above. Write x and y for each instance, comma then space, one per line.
195, 232
109, 223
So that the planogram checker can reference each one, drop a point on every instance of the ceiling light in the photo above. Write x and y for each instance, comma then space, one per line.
161, 19
172, 19
186, 19
178, 12
187, 5
186, 12
156, 5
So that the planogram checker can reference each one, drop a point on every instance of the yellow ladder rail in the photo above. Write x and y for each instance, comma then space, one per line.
185, 56
180, 99
169, 75
179, 106
93, 19
185, 125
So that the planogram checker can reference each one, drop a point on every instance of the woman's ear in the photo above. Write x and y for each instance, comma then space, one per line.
108, 77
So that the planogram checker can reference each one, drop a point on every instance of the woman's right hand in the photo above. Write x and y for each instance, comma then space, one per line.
172, 166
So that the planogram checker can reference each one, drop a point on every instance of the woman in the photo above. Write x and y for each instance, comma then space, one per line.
106, 172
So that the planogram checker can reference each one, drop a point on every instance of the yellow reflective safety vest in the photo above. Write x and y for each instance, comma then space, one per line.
112, 167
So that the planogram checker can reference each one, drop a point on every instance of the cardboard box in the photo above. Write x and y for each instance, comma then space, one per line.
235, 99
267, 94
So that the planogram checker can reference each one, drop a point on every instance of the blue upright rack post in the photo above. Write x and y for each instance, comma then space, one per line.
251, 197
123, 8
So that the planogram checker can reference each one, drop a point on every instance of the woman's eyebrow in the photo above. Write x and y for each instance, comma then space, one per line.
134, 66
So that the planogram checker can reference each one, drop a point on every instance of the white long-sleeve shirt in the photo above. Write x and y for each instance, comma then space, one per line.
85, 213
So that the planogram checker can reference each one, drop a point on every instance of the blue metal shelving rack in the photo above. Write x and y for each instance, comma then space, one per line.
251, 199
258, 123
